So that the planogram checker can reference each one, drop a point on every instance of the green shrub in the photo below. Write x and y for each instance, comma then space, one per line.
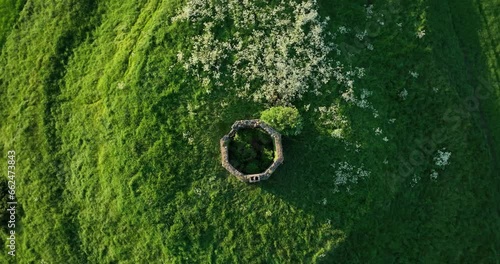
267, 157
252, 168
264, 138
286, 120
247, 152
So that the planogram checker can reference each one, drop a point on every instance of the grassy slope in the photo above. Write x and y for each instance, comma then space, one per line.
489, 38
100, 117
31, 77
9, 12
479, 38
457, 219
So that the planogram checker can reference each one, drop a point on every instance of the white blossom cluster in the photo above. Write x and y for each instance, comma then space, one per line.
413, 74
434, 174
414, 180
369, 11
420, 34
349, 96
331, 117
121, 85
442, 158
362, 35
346, 173
343, 30
403, 94
275, 54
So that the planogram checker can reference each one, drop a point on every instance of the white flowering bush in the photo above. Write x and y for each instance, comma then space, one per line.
276, 53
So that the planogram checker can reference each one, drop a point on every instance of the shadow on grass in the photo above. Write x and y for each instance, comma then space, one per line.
306, 180
451, 220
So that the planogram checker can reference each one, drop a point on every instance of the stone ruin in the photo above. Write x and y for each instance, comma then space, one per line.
253, 124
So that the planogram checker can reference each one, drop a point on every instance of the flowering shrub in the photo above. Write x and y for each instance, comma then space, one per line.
286, 120
276, 54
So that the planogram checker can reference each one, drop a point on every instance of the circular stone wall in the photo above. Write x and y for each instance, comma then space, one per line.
252, 124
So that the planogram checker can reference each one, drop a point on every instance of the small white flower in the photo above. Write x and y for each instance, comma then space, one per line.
206, 82
414, 74
414, 180
358, 146
369, 47
420, 34
361, 35
369, 11
386, 161
385, 139
435, 89
403, 94
378, 131
180, 56
121, 85
392, 120
434, 175
361, 72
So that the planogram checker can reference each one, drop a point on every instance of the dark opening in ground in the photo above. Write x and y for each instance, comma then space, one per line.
251, 151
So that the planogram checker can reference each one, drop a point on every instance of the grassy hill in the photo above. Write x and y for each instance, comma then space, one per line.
116, 140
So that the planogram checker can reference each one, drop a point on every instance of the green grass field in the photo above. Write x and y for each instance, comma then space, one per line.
117, 144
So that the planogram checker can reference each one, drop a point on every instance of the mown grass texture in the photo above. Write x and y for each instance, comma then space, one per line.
117, 144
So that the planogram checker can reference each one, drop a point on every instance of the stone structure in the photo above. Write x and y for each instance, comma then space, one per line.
254, 124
